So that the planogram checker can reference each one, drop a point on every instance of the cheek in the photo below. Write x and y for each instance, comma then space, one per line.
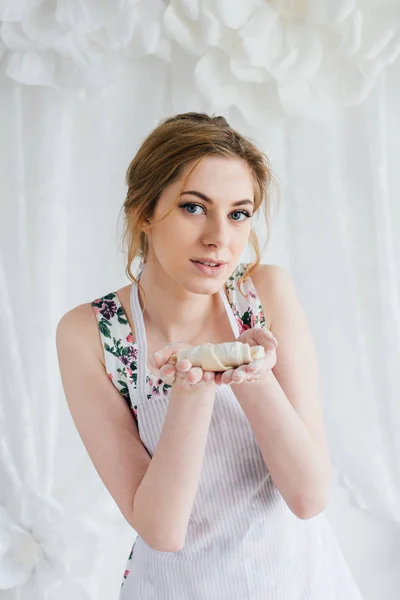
173, 244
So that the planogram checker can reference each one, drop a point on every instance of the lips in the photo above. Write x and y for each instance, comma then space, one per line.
207, 270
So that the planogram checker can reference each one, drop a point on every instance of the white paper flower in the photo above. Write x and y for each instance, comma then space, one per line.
311, 56
77, 44
302, 57
42, 546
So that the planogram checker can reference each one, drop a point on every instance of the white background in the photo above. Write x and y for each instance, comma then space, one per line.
81, 84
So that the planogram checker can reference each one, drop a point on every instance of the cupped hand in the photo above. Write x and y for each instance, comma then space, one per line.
182, 372
256, 368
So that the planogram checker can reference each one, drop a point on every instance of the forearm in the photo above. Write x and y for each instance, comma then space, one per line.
165, 497
289, 452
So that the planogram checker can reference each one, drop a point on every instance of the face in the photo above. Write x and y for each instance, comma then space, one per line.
216, 229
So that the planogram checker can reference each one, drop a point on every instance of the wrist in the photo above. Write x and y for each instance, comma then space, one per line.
251, 390
205, 388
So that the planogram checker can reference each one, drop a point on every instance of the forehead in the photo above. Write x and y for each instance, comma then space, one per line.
216, 175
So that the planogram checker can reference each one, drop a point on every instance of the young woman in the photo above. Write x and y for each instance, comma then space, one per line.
223, 475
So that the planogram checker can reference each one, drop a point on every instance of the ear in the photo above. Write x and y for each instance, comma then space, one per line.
145, 226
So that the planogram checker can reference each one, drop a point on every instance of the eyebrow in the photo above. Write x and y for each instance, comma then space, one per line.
206, 199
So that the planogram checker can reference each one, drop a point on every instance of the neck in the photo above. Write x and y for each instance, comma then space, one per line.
174, 312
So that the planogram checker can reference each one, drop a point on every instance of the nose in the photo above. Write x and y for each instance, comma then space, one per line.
217, 232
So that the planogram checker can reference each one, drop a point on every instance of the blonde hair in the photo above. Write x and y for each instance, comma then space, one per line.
160, 160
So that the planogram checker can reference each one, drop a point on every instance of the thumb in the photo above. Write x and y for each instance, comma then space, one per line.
266, 338
162, 356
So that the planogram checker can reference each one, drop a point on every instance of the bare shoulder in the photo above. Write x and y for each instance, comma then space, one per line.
268, 273
270, 281
81, 321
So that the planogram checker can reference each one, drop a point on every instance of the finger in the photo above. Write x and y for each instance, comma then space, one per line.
157, 359
167, 370
239, 375
263, 336
252, 367
208, 375
167, 374
183, 365
195, 375
227, 376
162, 356
266, 333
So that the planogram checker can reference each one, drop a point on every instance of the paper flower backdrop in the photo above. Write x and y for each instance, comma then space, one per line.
76, 44
314, 55
296, 56
42, 554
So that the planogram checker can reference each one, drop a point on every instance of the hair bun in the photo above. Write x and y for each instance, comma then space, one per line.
198, 117
220, 121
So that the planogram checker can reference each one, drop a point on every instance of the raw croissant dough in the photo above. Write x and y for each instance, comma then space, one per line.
219, 357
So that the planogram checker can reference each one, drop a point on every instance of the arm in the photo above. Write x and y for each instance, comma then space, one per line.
155, 495
283, 406
165, 498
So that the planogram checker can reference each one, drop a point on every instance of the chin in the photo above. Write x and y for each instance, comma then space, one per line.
208, 287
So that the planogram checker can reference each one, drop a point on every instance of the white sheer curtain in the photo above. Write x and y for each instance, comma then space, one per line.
81, 84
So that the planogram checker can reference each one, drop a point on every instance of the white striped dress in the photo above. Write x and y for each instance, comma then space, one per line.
242, 542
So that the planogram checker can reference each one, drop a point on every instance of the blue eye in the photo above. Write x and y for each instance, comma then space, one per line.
242, 212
